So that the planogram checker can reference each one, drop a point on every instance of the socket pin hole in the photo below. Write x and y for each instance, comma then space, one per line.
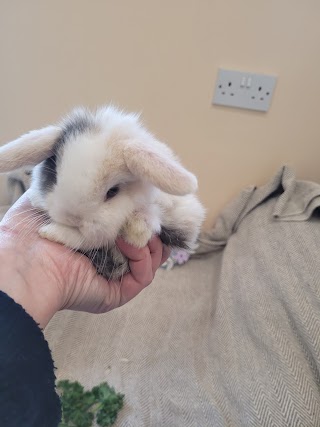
220, 86
223, 93
268, 93
231, 94
253, 97
229, 84
261, 99
260, 88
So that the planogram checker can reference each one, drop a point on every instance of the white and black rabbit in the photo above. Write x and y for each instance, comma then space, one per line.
102, 175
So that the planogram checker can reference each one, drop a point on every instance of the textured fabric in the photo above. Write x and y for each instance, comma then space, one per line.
27, 388
18, 182
13, 185
295, 201
229, 339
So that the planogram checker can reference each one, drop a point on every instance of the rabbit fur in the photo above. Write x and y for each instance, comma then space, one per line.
99, 175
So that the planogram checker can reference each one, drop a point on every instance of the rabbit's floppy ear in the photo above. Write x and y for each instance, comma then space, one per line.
30, 149
160, 168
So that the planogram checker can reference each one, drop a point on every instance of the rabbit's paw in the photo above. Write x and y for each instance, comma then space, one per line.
136, 231
59, 233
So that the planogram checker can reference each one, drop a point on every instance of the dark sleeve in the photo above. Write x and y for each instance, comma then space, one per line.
27, 380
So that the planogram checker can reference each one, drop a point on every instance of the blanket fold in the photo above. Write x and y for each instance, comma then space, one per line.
296, 201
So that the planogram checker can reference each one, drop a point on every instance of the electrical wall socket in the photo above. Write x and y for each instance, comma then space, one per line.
244, 90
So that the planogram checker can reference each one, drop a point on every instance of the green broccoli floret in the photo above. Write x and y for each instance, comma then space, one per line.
80, 407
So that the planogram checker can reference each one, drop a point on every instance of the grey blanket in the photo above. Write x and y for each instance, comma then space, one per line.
265, 336
230, 339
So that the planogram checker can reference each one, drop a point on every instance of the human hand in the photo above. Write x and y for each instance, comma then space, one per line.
45, 277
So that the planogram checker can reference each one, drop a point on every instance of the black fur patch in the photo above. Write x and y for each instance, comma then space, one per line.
173, 238
108, 263
80, 122
48, 174
77, 124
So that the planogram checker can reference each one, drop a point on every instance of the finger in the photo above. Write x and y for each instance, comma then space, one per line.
159, 252
132, 284
156, 252
142, 271
165, 253
140, 262
131, 252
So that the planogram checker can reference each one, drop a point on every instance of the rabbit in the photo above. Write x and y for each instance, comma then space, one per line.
100, 175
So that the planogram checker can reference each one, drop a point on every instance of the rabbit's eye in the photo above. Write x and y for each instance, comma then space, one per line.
112, 192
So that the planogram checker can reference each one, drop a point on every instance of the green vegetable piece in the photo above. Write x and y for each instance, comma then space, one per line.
79, 407
110, 404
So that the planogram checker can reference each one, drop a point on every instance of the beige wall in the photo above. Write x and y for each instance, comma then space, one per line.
162, 57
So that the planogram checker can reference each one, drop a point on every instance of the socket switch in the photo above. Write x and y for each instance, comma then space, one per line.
244, 90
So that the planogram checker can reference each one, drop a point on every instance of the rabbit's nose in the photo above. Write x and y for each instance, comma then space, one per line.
67, 218
73, 220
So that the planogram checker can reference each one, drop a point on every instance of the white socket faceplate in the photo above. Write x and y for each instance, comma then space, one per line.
244, 90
